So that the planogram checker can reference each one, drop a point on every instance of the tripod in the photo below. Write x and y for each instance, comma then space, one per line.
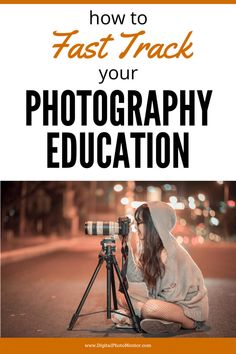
106, 254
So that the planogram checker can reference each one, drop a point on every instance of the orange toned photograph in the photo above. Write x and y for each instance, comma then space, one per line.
118, 259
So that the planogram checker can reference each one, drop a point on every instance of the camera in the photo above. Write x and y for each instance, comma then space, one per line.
121, 227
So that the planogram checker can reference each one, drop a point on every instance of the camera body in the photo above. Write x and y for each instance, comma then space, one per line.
106, 228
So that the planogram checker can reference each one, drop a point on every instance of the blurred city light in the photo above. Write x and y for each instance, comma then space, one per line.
151, 189
214, 237
99, 192
139, 189
194, 241
167, 187
222, 207
135, 204
118, 188
192, 205
231, 203
201, 197
179, 206
180, 239
175, 204
183, 222
153, 193
186, 240
212, 213
201, 229
173, 200
201, 239
124, 201
12, 212
191, 199
198, 211
214, 221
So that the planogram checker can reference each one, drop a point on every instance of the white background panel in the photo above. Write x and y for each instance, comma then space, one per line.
27, 63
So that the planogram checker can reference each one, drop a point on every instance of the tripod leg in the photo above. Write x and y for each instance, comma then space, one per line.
76, 314
108, 287
113, 285
127, 298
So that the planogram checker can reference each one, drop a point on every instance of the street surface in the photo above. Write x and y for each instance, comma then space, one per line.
39, 295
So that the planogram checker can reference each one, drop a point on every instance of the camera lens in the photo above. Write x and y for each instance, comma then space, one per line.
101, 228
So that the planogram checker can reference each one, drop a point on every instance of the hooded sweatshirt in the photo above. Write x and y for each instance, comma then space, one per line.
182, 282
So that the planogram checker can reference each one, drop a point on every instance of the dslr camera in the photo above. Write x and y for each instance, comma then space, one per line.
106, 228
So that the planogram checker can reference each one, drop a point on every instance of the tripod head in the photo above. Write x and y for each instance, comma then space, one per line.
108, 244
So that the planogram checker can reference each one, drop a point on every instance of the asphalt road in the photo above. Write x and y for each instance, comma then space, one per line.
40, 295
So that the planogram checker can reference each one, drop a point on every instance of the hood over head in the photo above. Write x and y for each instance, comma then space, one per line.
164, 220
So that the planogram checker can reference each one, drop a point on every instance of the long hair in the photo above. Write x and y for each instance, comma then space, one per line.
150, 258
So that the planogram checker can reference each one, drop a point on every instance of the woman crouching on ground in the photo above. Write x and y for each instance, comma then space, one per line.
166, 286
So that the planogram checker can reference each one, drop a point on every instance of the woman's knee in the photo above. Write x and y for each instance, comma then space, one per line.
150, 308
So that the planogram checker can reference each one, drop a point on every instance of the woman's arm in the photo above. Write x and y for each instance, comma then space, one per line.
134, 274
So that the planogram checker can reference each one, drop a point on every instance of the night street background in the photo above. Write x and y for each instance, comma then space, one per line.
47, 261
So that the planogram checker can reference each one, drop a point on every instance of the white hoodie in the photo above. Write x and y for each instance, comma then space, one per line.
183, 282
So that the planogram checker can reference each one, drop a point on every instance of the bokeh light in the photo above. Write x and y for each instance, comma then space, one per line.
118, 188
124, 201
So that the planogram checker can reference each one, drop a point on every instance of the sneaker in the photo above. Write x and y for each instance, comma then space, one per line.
199, 326
153, 326
124, 326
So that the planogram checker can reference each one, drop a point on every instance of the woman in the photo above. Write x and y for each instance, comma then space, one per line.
166, 286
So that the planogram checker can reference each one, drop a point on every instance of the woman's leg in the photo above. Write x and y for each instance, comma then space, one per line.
157, 309
123, 304
162, 310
